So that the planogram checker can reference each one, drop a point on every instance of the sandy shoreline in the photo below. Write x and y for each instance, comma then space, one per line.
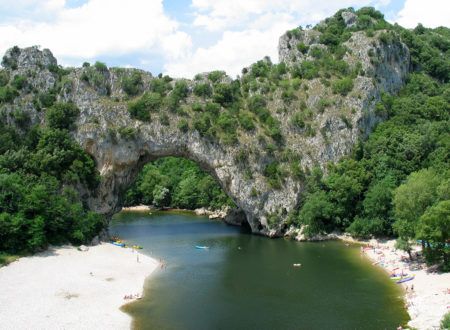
137, 208
430, 299
63, 288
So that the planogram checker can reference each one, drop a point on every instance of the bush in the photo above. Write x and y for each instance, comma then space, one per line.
141, 108
342, 86
223, 94
273, 174
197, 107
183, 125
298, 120
4, 78
367, 228
62, 115
8, 94
216, 76
127, 133
212, 108
302, 48
164, 119
100, 67
203, 90
246, 121
47, 99
132, 84
445, 322
226, 122
202, 124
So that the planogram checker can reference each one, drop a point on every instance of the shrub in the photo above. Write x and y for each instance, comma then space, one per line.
19, 82
256, 102
4, 78
183, 125
216, 76
62, 115
302, 48
445, 322
246, 121
132, 84
226, 122
164, 119
212, 108
180, 90
203, 90
273, 174
47, 99
127, 133
141, 108
223, 94
202, 124
8, 94
197, 107
342, 86
298, 120
100, 67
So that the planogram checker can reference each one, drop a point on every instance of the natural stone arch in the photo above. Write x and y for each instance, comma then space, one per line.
119, 164
119, 157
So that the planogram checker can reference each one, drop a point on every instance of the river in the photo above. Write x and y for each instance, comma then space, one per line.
245, 281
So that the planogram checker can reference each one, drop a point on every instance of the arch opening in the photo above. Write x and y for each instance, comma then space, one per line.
174, 182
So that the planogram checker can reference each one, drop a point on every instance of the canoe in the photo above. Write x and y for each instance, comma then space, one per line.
398, 277
202, 247
405, 279
118, 244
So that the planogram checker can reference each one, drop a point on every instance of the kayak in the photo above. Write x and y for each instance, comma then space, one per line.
398, 277
118, 244
202, 247
405, 279
137, 247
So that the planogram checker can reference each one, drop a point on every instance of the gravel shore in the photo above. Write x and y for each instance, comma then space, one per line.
64, 288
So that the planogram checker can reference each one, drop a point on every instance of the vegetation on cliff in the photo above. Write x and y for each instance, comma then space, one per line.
397, 181
42, 171
277, 125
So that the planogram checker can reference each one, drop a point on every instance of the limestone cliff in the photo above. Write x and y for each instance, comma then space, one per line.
316, 121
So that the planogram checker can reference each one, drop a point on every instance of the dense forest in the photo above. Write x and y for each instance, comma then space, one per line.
176, 183
41, 168
396, 182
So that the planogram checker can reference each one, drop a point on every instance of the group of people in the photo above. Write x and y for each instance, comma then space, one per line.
131, 296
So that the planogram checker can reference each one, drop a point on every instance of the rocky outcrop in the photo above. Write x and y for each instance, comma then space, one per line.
335, 125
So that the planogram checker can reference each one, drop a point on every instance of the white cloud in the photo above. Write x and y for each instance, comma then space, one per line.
431, 13
220, 14
99, 27
233, 51
250, 30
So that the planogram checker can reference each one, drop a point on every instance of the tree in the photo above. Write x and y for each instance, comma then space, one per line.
161, 196
411, 199
316, 214
62, 115
434, 228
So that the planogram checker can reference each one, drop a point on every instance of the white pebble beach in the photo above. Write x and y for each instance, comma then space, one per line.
429, 299
64, 288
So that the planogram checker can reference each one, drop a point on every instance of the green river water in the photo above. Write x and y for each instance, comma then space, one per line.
245, 281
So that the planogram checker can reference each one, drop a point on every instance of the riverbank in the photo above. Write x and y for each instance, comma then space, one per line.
427, 296
64, 288
212, 214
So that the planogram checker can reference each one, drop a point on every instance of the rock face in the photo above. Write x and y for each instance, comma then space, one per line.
120, 157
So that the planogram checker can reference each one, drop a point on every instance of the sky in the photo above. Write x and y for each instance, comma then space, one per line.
181, 37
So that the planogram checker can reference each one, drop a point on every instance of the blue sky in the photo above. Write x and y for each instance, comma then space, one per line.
181, 37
